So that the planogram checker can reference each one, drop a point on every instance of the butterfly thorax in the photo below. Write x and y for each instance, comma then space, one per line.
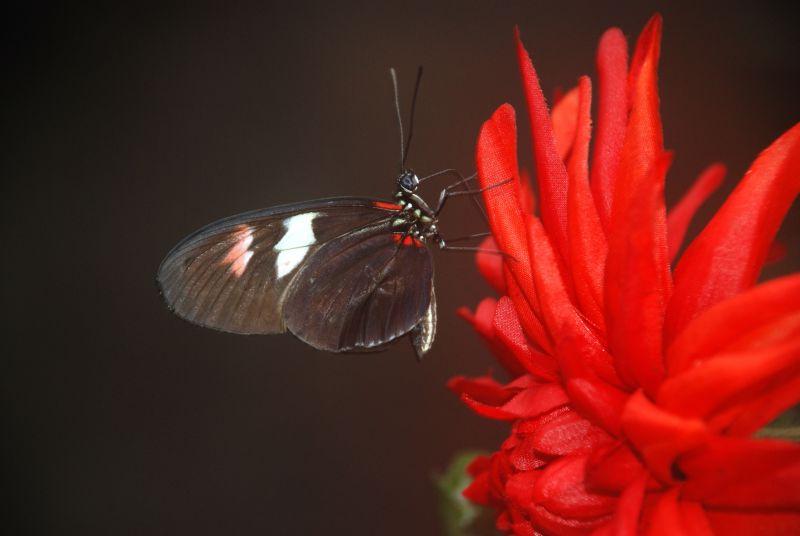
415, 218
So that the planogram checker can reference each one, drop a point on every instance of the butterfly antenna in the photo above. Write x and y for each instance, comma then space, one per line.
399, 117
413, 108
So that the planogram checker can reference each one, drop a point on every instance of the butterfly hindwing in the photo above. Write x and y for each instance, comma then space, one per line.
361, 291
233, 275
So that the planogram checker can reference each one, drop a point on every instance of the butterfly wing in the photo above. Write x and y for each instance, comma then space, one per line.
232, 275
423, 333
361, 291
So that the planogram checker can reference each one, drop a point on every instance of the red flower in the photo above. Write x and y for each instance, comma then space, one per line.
637, 387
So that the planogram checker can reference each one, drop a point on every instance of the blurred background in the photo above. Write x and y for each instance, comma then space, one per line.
127, 127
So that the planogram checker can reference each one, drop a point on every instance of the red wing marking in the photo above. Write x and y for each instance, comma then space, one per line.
407, 241
239, 255
386, 206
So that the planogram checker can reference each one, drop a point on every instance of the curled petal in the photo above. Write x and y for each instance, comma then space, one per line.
727, 256
526, 403
485, 389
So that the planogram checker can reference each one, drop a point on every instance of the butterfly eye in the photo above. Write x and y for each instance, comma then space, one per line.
409, 181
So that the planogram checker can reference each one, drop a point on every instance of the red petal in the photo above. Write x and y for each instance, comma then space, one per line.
479, 464
648, 47
716, 384
551, 173
755, 414
579, 351
626, 517
638, 283
665, 518
561, 490
524, 456
726, 258
734, 321
485, 389
672, 516
565, 122
528, 313
598, 401
519, 488
660, 437
529, 402
744, 473
568, 433
483, 322
612, 118
550, 523
527, 197
754, 524
496, 157
637, 273
490, 266
587, 241
680, 216
509, 331
643, 137
478, 489
613, 468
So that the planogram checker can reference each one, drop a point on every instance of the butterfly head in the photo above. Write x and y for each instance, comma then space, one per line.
407, 181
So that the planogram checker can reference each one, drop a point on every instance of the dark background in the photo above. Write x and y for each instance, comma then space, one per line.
128, 127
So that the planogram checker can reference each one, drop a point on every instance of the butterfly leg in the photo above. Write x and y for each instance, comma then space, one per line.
446, 193
444, 247
462, 180
469, 237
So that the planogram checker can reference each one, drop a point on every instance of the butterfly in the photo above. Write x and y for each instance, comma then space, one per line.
344, 274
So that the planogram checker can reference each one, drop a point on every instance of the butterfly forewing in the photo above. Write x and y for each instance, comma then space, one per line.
360, 290
233, 275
